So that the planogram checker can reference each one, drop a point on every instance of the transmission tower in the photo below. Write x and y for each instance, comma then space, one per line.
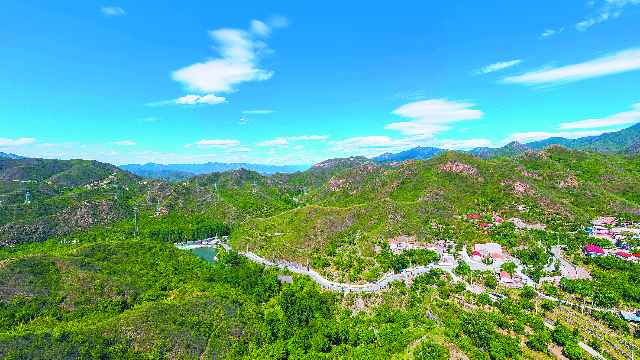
254, 187
158, 207
27, 199
305, 190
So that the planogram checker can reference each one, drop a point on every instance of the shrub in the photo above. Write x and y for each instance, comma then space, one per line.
574, 352
430, 350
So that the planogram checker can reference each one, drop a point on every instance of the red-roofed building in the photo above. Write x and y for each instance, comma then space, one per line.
473, 216
497, 256
505, 277
498, 220
592, 250
484, 224
477, 256
623, 255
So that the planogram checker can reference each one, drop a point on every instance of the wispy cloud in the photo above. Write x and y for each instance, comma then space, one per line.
627, 117
125, 143
608, 9
150, 119
17, 142
536, 136
427, 117
257, 112
112, 11
465, 144
622, 61
283, 141
371, 145
497, 66
216, 143
550, 32
275, 142
191, 100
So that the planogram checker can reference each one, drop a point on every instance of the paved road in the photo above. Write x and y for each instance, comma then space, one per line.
335, 286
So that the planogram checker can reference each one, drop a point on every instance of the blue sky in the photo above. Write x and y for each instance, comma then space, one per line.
301, 82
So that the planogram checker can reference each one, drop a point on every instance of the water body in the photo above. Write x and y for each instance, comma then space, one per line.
206, 253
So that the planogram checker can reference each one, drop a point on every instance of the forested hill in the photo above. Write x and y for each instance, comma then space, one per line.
335, 195
624, 141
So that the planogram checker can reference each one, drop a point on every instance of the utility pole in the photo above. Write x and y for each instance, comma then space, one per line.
158, 207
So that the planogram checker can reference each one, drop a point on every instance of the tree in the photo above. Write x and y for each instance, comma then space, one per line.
491, 281
548, 305
463, 269
539, 341
574, 352
528, 292
509, 267
562, 335
430, 350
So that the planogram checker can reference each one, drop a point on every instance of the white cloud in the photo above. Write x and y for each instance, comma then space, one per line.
257, 112
550, 32
112, 11
18, 142
307, 137
547, 33
496, 66
280, 141
627, 117
217, 143
428, 116
108, 153
465, 144
298, 147
610, 9
151, 119
622, 61
535, 136
259, 28
239, 52
125, 143
373, 145
210, 99
236, 150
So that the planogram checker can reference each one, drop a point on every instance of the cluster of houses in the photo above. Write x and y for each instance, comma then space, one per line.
593, 250
609, 228
491, 251
393, 245
507, 279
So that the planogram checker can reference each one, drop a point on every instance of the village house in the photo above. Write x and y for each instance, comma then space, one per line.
592, 250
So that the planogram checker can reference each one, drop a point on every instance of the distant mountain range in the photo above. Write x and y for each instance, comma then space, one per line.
417, 153
12, 156
177, 172
625, 141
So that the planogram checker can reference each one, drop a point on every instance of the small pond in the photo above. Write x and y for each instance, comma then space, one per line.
206, 253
